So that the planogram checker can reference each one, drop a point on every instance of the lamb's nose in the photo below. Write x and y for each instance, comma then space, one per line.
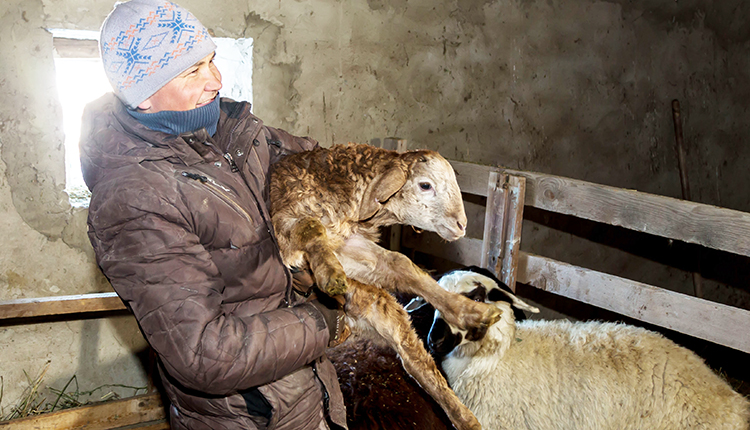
461, 226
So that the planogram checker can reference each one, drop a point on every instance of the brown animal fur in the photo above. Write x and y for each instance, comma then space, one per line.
327, 208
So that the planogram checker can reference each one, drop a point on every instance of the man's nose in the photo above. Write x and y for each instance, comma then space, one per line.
214, 80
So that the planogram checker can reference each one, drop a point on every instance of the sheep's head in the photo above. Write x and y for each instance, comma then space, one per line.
423, 192
479, 285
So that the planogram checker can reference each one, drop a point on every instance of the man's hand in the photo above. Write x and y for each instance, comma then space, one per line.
332, 309
302, 281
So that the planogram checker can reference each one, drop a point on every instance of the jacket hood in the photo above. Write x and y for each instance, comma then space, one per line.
111, 139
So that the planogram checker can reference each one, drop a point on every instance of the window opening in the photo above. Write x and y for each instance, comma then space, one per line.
81, 79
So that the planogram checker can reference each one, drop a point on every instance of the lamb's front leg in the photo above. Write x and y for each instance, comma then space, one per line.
376, 310
367, 262
309, 235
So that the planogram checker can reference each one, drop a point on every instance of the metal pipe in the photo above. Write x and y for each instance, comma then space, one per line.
684, 184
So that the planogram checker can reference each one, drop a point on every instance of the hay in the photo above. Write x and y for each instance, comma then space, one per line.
33, 403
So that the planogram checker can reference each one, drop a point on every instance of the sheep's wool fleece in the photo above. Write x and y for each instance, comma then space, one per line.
563, 375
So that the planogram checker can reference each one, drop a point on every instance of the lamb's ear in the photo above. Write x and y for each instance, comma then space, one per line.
380, 190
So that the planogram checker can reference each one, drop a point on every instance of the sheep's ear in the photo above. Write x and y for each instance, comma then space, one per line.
380, 190
415, 303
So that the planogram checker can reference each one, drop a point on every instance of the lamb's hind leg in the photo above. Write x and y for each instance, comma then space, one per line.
367, 262
310, 235
381, 313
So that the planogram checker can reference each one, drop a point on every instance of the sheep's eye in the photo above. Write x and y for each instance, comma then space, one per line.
478, 294
425, 186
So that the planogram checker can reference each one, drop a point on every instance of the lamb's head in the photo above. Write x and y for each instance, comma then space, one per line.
480, 285
425, 194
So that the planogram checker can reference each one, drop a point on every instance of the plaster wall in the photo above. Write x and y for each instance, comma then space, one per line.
579, 89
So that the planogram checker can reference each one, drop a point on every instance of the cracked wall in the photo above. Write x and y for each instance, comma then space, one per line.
578, 89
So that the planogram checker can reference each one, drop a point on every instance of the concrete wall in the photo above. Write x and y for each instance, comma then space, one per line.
579, 89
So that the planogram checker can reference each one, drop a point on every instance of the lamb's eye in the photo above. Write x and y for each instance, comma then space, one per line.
425, 186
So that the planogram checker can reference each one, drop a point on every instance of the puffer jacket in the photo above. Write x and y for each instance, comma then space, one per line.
180, 226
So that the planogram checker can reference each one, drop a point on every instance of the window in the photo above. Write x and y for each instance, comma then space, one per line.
81, 79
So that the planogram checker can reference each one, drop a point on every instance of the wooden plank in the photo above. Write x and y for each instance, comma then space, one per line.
502, 226
494, 216
706, 225
60, 305
76, 48
146, 408
715, 322
466, 251
514, 221
472, 178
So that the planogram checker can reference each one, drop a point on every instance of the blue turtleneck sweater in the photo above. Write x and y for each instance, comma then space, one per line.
178, 122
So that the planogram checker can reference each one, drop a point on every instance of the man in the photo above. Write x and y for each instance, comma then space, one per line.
180, 225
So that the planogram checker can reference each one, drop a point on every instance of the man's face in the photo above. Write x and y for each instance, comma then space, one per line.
195, 87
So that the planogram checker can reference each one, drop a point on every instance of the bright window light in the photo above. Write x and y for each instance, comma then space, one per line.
82, 80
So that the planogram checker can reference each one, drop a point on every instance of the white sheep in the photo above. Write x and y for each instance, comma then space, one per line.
581, 375
327, 207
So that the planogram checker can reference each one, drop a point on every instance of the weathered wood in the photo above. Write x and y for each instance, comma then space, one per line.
493, 240
60, 305
128, 413
465, 251
502, 226
706, 225
715, 322
75, 48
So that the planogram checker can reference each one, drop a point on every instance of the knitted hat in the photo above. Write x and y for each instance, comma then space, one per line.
144, 44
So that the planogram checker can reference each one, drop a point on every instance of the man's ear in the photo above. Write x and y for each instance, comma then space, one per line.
145, 105
380, 190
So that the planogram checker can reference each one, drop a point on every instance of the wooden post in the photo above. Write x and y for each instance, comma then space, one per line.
502, 225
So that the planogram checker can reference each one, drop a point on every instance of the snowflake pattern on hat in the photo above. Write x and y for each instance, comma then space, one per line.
159, 39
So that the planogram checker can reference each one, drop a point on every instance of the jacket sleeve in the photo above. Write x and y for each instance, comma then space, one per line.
167, 278
282, 143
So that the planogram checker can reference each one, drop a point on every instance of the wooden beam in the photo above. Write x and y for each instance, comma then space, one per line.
76, 48
140, 412
60, 305
715, 322
502, 226
465, 251
706, 225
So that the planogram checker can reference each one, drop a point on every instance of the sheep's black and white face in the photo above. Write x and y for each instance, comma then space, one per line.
482, 287
433, 199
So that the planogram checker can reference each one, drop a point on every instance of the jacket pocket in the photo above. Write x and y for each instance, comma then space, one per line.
258, 405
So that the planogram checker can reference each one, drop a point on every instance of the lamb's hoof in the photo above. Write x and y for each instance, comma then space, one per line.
490, 316
493, 315
336, 285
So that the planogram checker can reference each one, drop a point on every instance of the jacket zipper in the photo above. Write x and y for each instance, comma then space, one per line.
220, 192
326, 396
232, 164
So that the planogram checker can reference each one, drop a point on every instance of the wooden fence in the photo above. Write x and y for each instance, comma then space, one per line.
507, 191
